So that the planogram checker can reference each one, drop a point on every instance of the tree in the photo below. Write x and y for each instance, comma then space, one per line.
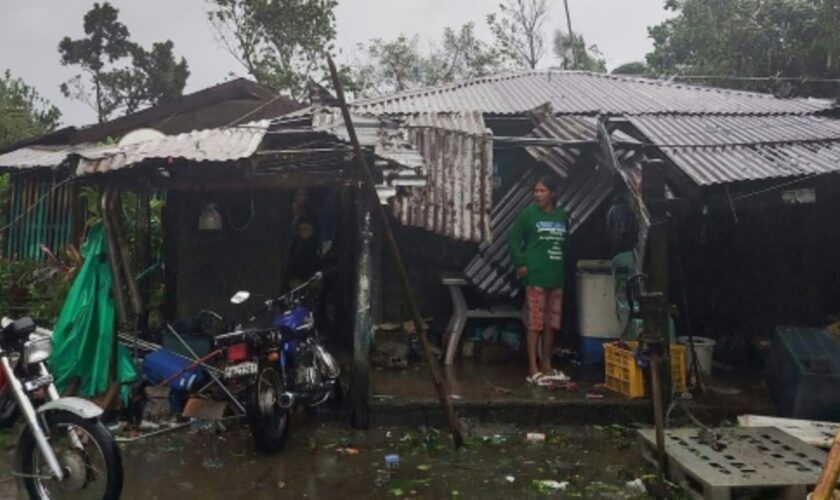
574, 54
399, 64
517, 29
631, 68
734, 39
281, 43
23, 112
122, 74
462, 56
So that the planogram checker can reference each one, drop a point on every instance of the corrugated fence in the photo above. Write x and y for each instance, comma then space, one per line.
42, 211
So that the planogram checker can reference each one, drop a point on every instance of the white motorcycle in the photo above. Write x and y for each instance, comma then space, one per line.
64, 451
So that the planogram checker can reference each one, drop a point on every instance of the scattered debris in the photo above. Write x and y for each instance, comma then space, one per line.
348, 451
535, 437
423, 467
390, 354
392, 461
456, 397
499, 388
510, 479
636, 485
594, 395
547, 486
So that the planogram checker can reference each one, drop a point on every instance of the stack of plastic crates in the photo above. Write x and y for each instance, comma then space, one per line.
623, 375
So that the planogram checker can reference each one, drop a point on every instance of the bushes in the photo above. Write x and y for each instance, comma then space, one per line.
35, 288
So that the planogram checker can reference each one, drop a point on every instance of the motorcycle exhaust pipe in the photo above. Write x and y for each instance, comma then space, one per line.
286, 400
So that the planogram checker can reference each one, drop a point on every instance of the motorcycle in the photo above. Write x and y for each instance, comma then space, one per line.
279, 366
64, 451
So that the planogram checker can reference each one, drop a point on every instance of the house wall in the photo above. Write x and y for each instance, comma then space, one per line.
205, 268
747, 271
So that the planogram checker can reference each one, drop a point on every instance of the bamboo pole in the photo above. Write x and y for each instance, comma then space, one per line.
828, 478
370, 188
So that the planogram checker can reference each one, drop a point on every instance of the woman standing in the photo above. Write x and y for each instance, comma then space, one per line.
538, 245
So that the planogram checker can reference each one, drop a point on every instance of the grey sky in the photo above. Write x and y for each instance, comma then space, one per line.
31, 29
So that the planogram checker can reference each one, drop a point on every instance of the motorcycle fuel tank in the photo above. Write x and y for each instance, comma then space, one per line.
297, 319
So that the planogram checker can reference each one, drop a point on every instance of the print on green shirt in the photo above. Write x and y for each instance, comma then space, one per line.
537, 241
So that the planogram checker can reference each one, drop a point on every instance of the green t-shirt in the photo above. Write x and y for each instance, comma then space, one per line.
537, 241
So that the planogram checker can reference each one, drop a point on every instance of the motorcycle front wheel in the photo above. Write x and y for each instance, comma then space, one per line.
9, 408
88, 455
269, 422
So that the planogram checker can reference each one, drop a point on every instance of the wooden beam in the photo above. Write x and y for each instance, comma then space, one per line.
369, 188
258, 181
143, 251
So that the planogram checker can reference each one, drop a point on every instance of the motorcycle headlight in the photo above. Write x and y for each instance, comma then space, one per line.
37, 349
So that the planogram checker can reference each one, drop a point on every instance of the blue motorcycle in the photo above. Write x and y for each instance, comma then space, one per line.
281, 365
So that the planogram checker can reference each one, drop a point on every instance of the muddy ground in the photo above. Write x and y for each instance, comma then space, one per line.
328, 460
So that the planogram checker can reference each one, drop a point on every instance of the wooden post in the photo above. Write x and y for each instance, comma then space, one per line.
143, 253
828, 478
655, 313
124, 258
369, 187
362, 324
106, 204
653, 192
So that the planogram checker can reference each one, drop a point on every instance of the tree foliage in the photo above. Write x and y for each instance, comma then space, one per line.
518, 30
23, 112
631, 68
281, 43
575, 55
750, 38
399, 64
119, 75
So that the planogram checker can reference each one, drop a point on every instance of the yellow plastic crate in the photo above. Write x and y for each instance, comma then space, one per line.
623, 376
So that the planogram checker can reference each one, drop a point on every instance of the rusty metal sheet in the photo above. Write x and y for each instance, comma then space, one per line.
458, 167
576, 92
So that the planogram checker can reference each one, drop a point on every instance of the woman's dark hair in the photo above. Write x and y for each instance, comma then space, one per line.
549, 182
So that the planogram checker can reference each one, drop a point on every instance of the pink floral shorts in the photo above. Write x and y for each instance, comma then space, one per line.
545, 307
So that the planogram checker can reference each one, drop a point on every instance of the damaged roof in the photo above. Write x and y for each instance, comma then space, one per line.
580, 92
724, 149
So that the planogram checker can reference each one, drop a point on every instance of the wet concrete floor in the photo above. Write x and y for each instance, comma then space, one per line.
328, 460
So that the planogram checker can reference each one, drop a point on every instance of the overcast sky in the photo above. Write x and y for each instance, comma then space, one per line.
31, 29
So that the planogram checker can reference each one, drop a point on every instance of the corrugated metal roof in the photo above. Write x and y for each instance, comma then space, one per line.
572, 92
388, 137
581, 190
715, 150
36, 156
458, 156
212, 145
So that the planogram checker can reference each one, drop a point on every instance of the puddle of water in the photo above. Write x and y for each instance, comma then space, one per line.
596, 462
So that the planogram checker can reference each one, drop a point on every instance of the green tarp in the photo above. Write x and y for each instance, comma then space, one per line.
85, 328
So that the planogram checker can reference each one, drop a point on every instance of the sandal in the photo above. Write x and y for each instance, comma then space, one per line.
535, 378
556, 376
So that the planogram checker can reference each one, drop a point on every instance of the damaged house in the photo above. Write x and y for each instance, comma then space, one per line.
746, 196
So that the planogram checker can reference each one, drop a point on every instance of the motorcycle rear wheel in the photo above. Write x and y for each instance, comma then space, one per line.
93, 471
269, 423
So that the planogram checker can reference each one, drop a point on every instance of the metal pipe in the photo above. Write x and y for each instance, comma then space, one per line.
209, 372
32, 419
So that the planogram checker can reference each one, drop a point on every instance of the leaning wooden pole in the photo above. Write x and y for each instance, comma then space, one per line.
831, 470
370, 188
